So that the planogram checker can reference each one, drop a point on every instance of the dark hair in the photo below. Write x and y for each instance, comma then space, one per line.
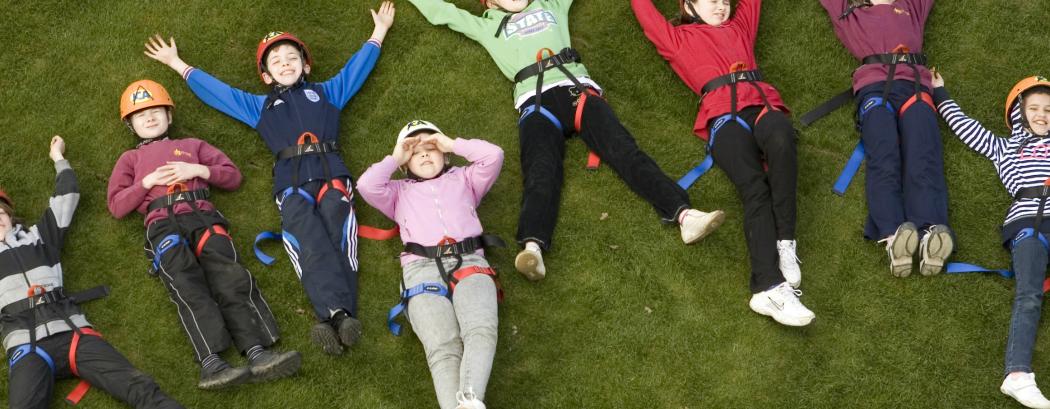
15, 220
685, 16
266, 54
1039, 89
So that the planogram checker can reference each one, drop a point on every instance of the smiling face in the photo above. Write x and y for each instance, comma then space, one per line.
284, 65
711, 12
6, 222
150, 123
510, 6
1036, 106
426, 161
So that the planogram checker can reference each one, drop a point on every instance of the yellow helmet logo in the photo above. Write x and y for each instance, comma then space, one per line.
271, 35
140, 95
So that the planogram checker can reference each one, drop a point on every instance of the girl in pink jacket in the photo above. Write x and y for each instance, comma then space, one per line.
452, 289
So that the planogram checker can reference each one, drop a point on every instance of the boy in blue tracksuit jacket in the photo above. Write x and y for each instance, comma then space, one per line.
299, 121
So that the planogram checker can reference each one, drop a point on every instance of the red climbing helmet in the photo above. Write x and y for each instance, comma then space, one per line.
274, 37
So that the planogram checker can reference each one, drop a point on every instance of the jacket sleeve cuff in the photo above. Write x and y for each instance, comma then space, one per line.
940, 94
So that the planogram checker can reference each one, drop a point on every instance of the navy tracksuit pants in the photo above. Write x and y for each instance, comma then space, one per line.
217, 298
321, 240
905, 162
543, 153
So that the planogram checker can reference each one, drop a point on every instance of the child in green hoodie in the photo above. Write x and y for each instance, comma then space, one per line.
557, 98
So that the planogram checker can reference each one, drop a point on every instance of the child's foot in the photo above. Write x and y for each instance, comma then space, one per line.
789, 262
782, 303
269, 365
696, 225
901, 247
349, 328
324, 336
935, 247
529, 262
1022, 388
220, 375
469, 401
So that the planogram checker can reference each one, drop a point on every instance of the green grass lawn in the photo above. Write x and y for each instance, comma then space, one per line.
628, 316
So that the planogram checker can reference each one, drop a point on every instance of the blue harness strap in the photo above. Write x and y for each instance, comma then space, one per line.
531, 109
709, 161
855, 160
424, 288
295, 190
24, 350
259, 254
1024, 234
167, 243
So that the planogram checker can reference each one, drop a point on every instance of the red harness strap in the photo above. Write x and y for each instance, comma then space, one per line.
593, 161
82, 388
465, 272
914, 98
218, 229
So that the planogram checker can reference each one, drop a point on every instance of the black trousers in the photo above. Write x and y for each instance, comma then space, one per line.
30, 381
543, 151
216, 297
768, 196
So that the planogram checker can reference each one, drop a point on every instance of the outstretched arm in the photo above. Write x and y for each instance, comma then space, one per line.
967, 129
656, 27
238, 104
59, 214
747, 15
439, 12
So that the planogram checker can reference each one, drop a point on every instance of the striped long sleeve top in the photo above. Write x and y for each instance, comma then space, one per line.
1022, 160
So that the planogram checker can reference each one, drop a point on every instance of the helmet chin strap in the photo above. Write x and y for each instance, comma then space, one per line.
160, 137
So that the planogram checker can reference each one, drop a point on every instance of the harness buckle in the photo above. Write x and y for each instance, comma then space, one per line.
33, 291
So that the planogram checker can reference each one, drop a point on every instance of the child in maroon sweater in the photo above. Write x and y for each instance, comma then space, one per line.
167, 180
755, 145
906, 191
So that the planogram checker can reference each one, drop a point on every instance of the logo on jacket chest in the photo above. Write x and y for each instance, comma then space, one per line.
1040, 151
531, 23
901, 12
180, 153
311, 95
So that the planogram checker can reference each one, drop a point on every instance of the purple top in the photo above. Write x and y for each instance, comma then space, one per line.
126, 194
427, 211
879, 30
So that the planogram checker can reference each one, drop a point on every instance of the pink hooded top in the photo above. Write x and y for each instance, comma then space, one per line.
126, 194
879, 30
427, 211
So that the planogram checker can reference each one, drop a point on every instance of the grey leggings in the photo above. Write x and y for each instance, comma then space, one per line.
459, 337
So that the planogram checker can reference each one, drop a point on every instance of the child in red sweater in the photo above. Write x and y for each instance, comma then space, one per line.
755, 145
167, 180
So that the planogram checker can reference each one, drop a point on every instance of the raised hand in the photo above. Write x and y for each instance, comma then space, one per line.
403, 151
443, 142
938, 80
167, 54
58, 148
383, 19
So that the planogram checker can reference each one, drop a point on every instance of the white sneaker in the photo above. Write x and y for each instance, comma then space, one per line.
789, 262
901, 247
935, 247
469, 400
530, 264
1023, 389
781, 303
696, 224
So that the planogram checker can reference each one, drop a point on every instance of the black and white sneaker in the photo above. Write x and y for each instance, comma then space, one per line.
270, 365
782, 303
223, 376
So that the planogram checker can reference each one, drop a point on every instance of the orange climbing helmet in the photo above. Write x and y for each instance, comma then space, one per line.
143, 94
1016, 93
